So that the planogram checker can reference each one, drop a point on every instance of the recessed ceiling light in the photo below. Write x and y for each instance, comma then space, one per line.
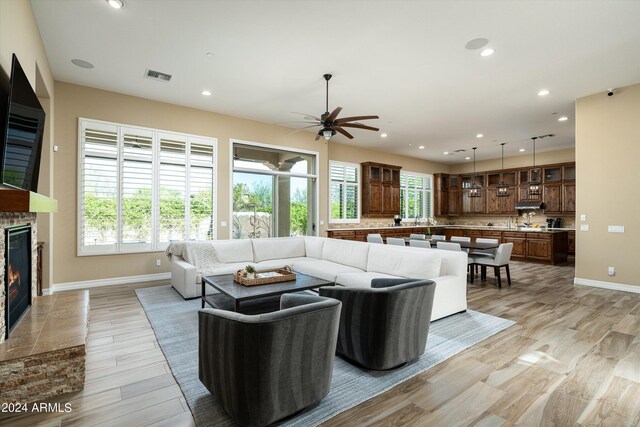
116, 4
421, 147
487, 52
209, 54
543, 92
476, 43
383, 135
445, 153
206, 93
82, 64
467, 158
522, 150
563, 119
479, 135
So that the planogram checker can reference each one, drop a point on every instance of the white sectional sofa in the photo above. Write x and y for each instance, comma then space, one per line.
347, 263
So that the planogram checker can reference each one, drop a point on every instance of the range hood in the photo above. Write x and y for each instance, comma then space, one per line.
528, 204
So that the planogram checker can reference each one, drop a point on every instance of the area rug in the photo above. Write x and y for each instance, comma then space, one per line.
175, 323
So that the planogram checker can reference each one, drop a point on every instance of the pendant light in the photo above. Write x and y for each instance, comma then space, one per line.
475, 190
535, 188
502, 189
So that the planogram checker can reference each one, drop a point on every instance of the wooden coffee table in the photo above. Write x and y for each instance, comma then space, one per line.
234, 293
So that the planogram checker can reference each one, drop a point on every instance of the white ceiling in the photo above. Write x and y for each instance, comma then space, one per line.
402, 60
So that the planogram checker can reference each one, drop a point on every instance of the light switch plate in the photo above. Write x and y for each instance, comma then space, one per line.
615, 229
583, 217
321, 222
584, 227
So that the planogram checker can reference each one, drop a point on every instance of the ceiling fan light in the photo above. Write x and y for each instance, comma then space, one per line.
327, 134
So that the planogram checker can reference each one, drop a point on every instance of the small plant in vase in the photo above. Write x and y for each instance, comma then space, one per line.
431, 221
251, 272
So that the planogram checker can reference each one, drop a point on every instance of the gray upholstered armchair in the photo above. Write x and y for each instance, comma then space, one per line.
265, 367
384, 326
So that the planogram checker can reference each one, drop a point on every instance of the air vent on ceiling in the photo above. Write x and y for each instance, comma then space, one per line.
157, 75
460, 151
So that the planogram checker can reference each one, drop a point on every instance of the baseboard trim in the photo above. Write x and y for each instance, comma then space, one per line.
46, 292
86, 284
607, 285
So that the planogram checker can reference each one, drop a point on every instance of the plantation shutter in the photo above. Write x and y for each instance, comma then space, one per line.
201, 184
98, 189
137, 189
344, 192
172, 180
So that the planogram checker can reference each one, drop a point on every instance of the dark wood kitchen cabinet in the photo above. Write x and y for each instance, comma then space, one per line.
447, 198
473, 205
501, 205
552, 198
569, 197
380, 189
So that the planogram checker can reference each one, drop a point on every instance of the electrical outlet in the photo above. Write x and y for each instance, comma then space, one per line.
583, 217
615, 229
584, 227
321, 222
223, 223
611, 271
158, 263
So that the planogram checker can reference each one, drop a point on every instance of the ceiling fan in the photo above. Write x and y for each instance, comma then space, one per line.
330, 124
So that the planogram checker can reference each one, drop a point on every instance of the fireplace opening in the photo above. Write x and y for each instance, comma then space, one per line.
17, 274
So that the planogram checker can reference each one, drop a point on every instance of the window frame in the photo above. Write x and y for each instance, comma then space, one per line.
155, 245
404, 211
358, 168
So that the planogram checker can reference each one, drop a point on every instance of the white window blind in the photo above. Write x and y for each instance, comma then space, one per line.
344, 192
416, 197
140, 188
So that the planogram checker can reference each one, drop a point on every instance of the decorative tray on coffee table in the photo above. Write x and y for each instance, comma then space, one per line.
265, 277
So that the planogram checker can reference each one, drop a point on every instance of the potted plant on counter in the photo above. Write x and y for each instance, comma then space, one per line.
251, 272
431, 221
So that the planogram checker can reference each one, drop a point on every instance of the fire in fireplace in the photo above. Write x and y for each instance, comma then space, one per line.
18, 274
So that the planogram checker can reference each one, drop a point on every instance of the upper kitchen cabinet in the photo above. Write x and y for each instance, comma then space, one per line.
380, 189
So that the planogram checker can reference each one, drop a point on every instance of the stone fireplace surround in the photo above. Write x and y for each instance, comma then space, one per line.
8, 220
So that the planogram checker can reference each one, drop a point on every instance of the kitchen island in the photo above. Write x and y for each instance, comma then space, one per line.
539, 245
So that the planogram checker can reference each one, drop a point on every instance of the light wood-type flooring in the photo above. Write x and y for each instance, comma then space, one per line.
573, 358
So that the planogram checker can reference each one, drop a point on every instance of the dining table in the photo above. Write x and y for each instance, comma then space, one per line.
464, 245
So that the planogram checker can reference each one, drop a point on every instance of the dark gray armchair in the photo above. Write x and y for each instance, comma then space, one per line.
384, 326
265, 367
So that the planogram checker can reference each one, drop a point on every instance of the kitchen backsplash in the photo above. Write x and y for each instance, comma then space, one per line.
539, 218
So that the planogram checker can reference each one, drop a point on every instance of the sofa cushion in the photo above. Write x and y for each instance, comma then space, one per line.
360, 280
227, 251
346, 252
414, 263
277, 263
281, 247
323, 269
313, 246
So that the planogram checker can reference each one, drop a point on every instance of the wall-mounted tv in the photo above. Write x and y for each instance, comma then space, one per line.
23, 126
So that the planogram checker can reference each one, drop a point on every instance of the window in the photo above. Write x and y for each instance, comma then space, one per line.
274, 191
416, 197
344, 192
140, 188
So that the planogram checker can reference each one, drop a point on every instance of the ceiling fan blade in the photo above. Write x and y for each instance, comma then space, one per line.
293, 123
358, 126
306, 127
318, 135
342, 131
307, 116
353, 119
331, 117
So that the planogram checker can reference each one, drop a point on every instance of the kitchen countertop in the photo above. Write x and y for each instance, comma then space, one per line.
469, 227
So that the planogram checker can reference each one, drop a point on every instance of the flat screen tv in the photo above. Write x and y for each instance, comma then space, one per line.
23, 126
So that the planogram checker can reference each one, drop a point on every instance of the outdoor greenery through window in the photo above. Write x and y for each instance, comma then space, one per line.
274, 192
344, 192
142, 188
416, 197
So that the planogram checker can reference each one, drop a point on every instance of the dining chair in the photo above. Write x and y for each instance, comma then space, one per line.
417, 236
438, 237
501, 259
448, 246
461, 239
420, 243
374, 238
397, 241
477, 253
